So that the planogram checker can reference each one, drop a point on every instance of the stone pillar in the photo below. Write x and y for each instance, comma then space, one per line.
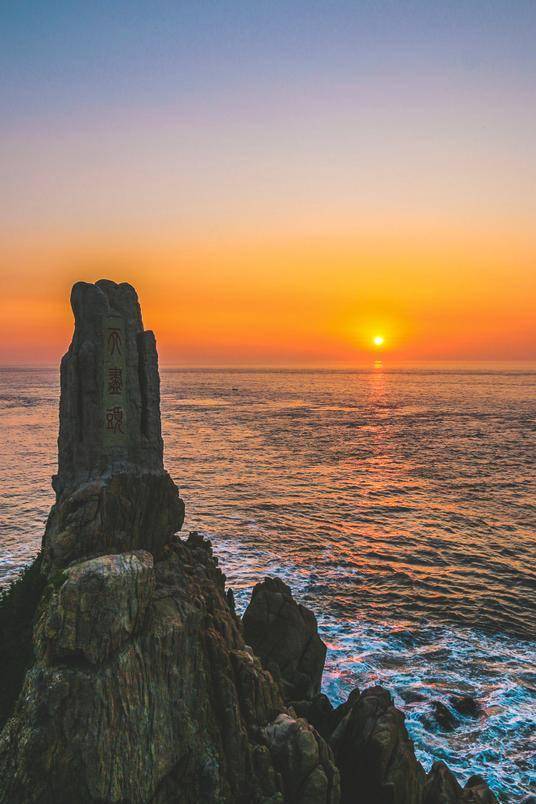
110, 389
112, 492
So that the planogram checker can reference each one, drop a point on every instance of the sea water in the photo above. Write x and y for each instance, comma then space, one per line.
398, 503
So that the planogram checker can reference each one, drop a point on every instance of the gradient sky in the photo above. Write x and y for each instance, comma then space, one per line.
280, 180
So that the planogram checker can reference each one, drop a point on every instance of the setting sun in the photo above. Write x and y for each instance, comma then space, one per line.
378, 340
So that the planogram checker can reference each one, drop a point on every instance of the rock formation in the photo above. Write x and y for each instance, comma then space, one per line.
112, 493
284, 635
138, 686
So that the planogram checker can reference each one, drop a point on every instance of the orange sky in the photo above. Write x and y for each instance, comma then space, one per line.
279, 185
293, 300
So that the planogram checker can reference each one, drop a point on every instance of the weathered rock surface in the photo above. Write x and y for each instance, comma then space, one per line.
158, 702
375, 754
304, 761
111, 363
284, 634
120, 512
112, 493
441, 786
97, 609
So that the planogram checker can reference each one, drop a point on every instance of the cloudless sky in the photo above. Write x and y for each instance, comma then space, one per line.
281, 181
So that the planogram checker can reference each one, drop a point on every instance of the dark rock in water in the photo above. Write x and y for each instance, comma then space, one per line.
465, 705
444, 716
412, 696
441, 786
284, 634
374, 753
476, 791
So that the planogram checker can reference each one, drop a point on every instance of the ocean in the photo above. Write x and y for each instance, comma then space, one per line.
398, 503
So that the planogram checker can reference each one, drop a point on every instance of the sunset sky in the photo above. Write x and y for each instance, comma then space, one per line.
281, 181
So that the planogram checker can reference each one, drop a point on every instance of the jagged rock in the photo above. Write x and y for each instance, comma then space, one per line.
304, 761
284, 634
319, 711
95, 607
322, 715
476, 791
441, 786
444, 716
374, 753
465, 705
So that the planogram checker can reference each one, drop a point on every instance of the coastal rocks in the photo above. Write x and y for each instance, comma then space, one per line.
117, 587
476, 791
284, 634
171, 709
441, 786
374, 753
304, 761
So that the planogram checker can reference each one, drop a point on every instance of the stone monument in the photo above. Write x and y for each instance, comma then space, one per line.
111, 488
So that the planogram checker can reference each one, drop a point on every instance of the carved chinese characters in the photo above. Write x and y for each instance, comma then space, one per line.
114, 382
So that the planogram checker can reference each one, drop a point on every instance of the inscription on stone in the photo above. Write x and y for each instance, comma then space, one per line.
114, 382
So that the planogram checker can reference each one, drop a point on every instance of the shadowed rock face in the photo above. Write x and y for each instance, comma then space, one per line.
375, 754
284, 634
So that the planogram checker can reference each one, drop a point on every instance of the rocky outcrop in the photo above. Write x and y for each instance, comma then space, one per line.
304, 761
441, 786
143, 691
374, 753
284, 634
140, 686
476, 791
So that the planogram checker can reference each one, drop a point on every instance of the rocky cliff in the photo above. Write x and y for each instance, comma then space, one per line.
137, 683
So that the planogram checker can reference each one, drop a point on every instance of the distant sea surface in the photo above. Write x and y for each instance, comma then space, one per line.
399, 504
